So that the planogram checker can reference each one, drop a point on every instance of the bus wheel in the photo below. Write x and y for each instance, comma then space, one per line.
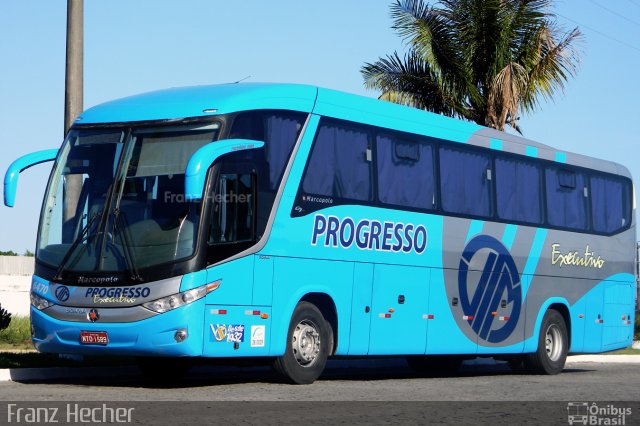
435, 365
307, 346
553, 345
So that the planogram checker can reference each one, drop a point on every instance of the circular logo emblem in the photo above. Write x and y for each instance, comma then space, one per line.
62, 293
93, 315
490, 298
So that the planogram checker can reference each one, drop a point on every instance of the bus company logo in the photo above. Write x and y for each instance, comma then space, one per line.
497, 288
219, 331
62, 293
233, 333
365, 234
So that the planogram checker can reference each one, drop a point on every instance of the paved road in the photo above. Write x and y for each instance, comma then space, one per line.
361, 391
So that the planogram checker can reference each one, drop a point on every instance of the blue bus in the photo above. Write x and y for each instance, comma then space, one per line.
298, 223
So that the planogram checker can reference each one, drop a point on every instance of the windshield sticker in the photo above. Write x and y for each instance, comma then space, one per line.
366, 234
575, 258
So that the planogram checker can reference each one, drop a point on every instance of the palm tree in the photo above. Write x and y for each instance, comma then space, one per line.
481, 60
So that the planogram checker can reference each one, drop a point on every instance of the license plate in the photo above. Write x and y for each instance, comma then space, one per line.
94, 337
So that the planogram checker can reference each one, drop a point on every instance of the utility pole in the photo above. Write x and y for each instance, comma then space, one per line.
74, 70
73, 94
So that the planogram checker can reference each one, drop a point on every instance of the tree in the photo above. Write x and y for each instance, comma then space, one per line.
481, 60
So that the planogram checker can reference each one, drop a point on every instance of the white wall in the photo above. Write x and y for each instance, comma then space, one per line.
15, 283
14, 294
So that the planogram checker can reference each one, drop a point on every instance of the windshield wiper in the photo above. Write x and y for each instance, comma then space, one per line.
120, 227
81, 236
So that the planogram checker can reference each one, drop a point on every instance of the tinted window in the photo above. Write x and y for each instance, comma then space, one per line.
279, 130
464, 182
340, 164
518, 187
609, 204
566, 201
405, 173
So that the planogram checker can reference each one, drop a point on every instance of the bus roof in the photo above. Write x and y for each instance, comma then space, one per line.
201, 101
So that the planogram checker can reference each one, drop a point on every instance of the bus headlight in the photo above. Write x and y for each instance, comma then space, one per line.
39, 303
168, 303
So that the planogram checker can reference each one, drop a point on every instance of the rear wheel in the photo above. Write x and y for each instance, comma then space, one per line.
308, 346
440, 365
553, 345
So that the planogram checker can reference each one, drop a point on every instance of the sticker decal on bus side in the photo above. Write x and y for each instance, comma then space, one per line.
369, 234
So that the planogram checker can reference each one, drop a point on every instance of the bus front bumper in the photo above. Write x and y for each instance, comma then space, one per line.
155, 336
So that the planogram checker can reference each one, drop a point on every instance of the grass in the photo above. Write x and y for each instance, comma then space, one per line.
625, 351
17, 336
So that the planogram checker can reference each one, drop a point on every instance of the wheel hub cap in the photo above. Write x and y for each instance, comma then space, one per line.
553, 342
306, 343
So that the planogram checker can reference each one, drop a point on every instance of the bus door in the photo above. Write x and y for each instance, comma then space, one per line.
399, 305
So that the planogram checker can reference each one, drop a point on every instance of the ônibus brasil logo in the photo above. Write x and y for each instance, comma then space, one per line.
497, 289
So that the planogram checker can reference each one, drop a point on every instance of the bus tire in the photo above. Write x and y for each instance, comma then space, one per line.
307, 348
553, 345
435, 365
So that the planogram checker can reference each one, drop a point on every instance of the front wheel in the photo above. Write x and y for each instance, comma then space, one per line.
553, 345
307, 347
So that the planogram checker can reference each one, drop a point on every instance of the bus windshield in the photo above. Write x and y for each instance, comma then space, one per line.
116, 201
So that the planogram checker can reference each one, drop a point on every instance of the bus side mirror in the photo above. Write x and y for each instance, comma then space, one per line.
23, 163
203, 158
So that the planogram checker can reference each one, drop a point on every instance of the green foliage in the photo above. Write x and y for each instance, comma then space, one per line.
636, 328
28, 253
5, 318
481, 60
18, 332
8, 253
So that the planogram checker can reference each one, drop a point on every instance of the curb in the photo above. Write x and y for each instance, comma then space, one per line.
64, 373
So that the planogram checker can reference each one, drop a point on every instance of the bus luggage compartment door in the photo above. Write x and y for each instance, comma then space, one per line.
400, 301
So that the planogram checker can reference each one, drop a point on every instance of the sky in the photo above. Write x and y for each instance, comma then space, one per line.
138, 46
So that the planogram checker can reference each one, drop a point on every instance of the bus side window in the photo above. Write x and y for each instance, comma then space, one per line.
566, 200
610, 204
406, 175
340, 164
465, 181
518, 190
